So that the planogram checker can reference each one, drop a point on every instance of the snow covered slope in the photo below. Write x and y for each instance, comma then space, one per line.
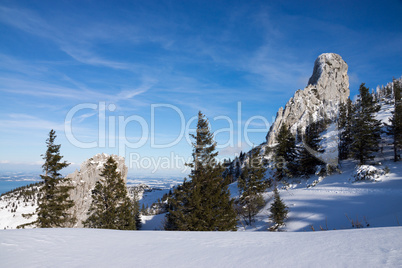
336, 201
377, 247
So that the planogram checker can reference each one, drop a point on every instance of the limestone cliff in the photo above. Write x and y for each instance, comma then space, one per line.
327, 88
84, 182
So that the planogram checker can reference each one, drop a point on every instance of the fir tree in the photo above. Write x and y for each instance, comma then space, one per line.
54, 201
229, 172
251, 184
279, 212
237, 169
345, 122
285, 154
111, 208
204, 203
395, 128
366, 128
307, 160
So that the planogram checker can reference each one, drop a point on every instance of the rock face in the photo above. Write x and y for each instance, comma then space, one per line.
326, 89
84, 182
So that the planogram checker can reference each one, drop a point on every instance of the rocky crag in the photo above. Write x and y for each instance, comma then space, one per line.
327, 88
22, 201
84, 180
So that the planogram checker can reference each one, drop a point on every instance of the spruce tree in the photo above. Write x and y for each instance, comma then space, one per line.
366, 128
345, 122
54, 201
395, 128
237, 169
308, 160
285, 154
178, 207
204, 203
279, 212
252, 184
111, 208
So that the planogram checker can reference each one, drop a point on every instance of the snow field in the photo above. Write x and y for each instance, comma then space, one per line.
374, 247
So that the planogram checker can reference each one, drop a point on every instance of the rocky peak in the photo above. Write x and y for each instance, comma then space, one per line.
327, 88
84, 182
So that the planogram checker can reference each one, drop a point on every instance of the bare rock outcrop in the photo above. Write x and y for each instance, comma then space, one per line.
84, 180
327, 88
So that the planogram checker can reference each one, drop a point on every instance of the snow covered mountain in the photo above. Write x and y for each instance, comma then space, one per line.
338, 201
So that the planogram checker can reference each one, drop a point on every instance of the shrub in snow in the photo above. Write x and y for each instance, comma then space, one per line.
367, 173
279, 212
315, 182
386, 170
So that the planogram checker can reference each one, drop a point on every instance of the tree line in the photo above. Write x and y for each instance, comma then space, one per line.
111, 208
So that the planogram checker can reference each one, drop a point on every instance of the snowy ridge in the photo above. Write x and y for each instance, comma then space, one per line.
16, 204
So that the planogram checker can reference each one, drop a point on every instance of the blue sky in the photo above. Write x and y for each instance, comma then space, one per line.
98, 61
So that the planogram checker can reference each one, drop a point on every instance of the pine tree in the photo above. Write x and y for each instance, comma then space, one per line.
251, 184
395, 128
111, 208
366, 128
279, 212
204, 203
54, 201
285, 154
345, 122
307, 160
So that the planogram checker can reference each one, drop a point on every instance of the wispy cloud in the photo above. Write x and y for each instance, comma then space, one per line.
25, 121
39, 88
28, 21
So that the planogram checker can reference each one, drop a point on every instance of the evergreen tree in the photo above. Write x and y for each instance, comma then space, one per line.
345, 122
279, 211
111, 208
229, 172
204, 203
285, 154
307, 160
395, 129
366, 128
237, 169
251, 184
54, 201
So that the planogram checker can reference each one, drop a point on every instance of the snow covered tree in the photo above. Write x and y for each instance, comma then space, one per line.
307, 160
285, 154
345, 122
54, 201
366, 128
111, 208
395, 128
204, 203
279, 212
251, 184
